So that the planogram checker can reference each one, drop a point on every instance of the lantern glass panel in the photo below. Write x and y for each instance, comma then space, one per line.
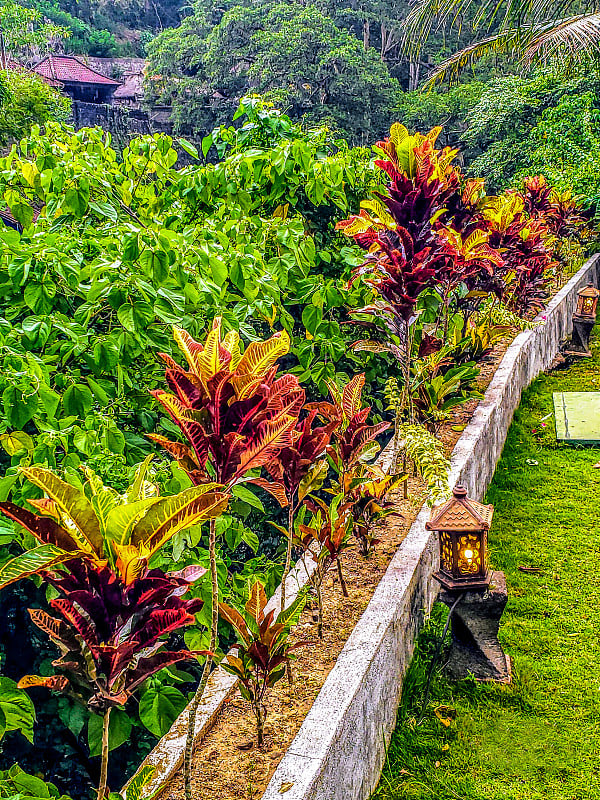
446, 561
470, 558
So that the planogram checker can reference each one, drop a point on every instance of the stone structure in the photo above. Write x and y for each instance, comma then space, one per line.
475, 649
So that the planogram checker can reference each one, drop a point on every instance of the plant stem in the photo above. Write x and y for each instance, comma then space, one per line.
260, 722
341, 577
288, 553
104, 755
320, 609
214, 631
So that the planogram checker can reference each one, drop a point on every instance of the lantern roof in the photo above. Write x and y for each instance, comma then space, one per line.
460, 513
589, 291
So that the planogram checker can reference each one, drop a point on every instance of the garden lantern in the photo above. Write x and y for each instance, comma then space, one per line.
462, 526
587, 302
584, 320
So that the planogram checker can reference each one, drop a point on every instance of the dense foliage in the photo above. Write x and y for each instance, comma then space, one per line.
28, 101
231, 270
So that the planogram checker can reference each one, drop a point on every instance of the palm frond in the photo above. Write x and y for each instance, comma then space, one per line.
506, 42
505, 15
573, 39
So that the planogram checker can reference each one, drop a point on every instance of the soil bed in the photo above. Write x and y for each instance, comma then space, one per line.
228, 764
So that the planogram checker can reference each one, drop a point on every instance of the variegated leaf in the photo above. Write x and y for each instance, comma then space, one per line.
351, 396
33, 562
137, 490
122, 519
135, 787
257, 601
57, 683
173, 514
259, 357
73, 504
235, 619
272, 436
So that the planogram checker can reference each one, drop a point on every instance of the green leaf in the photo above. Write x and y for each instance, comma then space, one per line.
50, 400
17, 708
251, 539
159, 708
114, 441
188, 147
243, 493
156, 264
78, 400
22, 212
106, 355
135, 316
98, 391
104, 209
39, 297
18, 406
76, 199
312, 318
16, 443
207, 143
119, 730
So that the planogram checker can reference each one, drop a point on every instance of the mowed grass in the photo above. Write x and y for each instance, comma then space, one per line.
538, 739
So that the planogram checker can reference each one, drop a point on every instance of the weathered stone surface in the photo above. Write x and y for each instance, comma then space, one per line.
475, 649
340, 749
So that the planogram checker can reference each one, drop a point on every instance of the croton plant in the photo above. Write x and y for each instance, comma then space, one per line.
112, 612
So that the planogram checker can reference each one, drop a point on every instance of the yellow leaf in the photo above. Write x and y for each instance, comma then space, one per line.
259, 357
351, 396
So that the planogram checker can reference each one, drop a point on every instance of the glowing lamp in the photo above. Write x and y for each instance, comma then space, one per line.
462, 526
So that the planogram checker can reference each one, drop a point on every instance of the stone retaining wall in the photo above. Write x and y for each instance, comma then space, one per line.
339, 751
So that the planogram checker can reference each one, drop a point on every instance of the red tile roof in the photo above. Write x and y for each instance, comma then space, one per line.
69, 69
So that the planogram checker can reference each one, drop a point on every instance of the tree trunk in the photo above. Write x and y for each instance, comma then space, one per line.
104, 755
214, 631
341, 577
366, 34
413, 80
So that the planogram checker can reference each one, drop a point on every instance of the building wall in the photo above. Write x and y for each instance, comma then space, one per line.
122, 123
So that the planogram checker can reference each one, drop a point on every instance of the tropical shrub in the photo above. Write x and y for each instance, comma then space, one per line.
263, 649
113, 609
14, 782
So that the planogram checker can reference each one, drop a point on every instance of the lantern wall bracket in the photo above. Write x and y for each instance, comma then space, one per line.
475, 649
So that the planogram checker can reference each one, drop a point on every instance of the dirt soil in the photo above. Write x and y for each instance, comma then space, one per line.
228, 765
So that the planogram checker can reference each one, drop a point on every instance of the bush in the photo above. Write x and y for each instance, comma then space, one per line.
28, 102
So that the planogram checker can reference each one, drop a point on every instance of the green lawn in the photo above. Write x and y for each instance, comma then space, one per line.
538, 739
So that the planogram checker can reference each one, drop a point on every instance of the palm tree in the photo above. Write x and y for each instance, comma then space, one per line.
562, 31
